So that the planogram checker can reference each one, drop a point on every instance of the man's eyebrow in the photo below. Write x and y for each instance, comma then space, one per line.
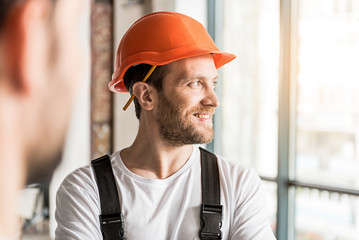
200, 77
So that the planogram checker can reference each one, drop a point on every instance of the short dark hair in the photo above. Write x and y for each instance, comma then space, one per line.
5, 6
136, 73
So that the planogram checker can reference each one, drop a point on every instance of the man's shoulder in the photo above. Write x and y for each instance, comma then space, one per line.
80, 177
230, 164
235, 170
83, 177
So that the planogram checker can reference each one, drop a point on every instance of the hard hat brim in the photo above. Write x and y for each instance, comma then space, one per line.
158, 59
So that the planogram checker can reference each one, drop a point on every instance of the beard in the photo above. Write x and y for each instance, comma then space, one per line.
40, 169
178, 130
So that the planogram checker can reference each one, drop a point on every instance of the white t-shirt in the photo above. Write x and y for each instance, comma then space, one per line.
164, 208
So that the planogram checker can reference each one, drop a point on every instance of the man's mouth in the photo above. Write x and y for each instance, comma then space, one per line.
203, 116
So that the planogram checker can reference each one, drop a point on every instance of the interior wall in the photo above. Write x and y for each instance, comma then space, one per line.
196, 9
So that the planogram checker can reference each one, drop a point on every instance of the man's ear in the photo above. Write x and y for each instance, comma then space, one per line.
144, 94
25, 44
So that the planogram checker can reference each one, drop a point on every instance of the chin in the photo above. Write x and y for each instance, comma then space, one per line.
205, 136
207, 139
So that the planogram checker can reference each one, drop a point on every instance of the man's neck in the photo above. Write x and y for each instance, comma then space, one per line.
153, 158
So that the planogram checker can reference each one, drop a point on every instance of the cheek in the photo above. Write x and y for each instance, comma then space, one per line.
185, 102
184, 106
190, 110
188, 99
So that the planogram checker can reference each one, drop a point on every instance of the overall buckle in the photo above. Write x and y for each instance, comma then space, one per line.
109, 220
211, 221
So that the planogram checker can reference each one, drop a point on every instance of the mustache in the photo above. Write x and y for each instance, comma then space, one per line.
205, 109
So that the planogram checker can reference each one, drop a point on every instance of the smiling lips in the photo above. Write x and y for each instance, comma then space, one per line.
203, 116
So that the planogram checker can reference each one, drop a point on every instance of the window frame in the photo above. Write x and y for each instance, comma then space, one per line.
285, 181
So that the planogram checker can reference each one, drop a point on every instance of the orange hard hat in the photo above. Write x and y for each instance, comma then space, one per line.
160, 38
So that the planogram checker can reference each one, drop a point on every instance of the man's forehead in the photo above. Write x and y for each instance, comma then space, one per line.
200, 67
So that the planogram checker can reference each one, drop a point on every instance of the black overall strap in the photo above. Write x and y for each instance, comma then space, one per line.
211, 208
111, 218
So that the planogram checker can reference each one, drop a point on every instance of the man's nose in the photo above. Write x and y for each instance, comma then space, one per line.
210, 98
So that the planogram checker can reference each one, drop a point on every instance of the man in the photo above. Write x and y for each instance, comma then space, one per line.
158, 177
41, 63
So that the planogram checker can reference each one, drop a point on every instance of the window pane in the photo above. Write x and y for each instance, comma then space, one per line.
271, 191
323, 215
250, 84
327, 92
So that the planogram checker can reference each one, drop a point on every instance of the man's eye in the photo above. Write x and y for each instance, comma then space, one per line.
196, 84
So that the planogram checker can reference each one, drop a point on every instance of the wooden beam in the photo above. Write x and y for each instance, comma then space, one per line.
102, 69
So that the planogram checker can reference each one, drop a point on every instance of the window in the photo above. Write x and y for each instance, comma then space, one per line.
249, 123
290, 109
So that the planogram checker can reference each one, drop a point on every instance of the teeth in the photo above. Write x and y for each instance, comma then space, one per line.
202, 116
